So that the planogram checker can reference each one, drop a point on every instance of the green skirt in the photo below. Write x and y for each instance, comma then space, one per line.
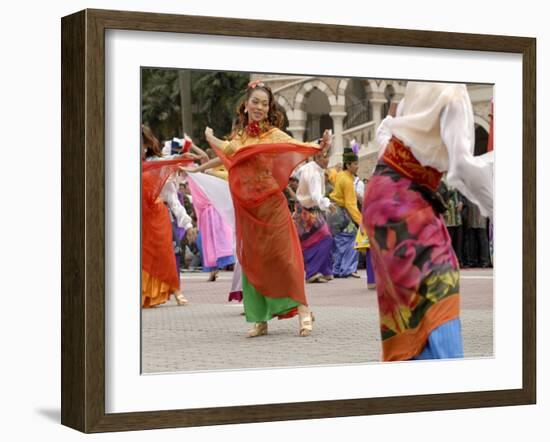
260, 308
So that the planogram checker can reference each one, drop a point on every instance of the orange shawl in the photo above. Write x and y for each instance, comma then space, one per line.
268, 246
157, 253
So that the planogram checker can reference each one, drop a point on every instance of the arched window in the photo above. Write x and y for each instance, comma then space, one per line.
317, 108
389, 93
482, 138
281, 109
357, 104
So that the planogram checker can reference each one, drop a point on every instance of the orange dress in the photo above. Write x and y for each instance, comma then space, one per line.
159, 276
268, 246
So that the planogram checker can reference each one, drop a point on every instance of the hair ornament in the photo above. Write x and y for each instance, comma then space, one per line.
256, 83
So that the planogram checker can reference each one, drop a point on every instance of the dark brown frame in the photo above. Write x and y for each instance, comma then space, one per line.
83, 220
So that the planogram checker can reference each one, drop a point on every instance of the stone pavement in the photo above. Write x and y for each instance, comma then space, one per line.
209, 333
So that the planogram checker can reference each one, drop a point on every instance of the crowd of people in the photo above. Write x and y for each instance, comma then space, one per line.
268, 207
471, 232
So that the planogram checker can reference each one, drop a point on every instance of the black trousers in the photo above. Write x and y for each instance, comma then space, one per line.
476, 248
456, 234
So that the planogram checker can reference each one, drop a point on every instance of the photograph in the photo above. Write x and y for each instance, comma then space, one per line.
303, 220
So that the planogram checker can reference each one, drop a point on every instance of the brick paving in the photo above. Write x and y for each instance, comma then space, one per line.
209, 333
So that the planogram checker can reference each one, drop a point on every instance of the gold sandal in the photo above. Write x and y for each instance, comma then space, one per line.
306, 324
259, 329
180, 299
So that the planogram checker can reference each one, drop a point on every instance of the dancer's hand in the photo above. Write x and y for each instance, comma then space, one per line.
332, 208
208, 133
188, 169
326, 141
190, 156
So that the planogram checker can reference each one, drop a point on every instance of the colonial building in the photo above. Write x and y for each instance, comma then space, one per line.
353, 108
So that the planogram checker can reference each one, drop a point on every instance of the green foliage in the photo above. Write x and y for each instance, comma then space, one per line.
161, 108
214, 98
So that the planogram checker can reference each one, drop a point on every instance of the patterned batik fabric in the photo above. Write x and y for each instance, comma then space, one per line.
344, 256
417, 274
308, 222
453, 217
341, 222
315, 239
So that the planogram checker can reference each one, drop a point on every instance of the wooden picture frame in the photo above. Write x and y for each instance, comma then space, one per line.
83, 220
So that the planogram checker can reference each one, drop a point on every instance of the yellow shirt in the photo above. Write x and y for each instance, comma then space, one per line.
344, 195
220, 172
332, 173
273, 135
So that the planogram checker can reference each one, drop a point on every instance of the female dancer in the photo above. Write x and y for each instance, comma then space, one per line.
159, 275
216, 190
215, 239
260, 158
417, 273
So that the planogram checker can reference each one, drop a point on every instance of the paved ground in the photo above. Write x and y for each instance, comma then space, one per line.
209, 333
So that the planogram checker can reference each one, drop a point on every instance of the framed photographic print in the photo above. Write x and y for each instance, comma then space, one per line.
131, 362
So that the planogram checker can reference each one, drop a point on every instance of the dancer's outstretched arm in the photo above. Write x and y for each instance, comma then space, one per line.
214, 162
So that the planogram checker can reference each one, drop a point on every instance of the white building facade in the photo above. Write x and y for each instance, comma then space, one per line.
353, 108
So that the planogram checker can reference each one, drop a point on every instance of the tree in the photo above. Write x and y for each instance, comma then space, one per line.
184, 77
214, 96
160, 108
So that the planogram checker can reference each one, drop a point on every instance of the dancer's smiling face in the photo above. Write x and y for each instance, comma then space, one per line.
257, 106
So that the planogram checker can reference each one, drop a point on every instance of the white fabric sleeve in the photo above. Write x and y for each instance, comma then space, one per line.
399, 110
218, 193
170, 196
472, 176
317, 196
383, 135
311, 194
360, 189
324, 204
384, 132
167, 148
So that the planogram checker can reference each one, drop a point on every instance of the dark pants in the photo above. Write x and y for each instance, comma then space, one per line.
455, 232
476, 248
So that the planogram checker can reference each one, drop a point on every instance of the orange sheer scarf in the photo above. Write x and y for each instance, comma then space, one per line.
157, 253
268, 247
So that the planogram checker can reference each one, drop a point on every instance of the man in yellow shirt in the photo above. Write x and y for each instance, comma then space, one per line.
333, 172
345, 221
